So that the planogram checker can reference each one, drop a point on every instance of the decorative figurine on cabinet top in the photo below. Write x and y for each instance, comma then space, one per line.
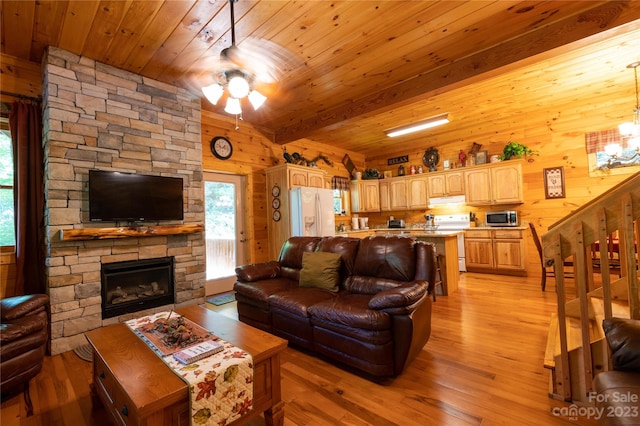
431, 158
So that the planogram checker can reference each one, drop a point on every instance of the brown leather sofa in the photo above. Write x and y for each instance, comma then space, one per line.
617, 392
24, 333
376, 320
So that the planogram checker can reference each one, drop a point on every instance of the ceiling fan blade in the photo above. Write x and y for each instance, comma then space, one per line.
266, 60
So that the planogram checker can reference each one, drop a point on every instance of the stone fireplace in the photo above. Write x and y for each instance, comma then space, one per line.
136, 285
99, 117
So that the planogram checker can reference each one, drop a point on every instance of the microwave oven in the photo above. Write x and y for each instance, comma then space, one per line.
502, 218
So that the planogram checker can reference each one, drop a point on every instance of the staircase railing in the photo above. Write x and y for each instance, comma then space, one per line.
586, 237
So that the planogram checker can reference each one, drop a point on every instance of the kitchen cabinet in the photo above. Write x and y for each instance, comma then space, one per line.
498, 183
446, 184
365, 196
305, 176
385, 203
495, 251
404, 193
398, 194
393, 194
418, 192
280, 179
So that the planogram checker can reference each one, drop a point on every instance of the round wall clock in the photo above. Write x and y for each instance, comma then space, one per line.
221, 147
431, 158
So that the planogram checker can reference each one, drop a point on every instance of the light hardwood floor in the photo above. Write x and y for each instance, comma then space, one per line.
482, 366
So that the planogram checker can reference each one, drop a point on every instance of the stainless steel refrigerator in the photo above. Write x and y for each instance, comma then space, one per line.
312, 212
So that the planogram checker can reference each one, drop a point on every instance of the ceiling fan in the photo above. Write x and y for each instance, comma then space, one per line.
241, 69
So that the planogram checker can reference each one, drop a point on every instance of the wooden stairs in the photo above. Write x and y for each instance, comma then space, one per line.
609, 289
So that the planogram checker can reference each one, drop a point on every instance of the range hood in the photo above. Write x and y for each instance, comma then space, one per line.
441, 201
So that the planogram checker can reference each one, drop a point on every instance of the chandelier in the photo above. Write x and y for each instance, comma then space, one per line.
629, 133
239, 83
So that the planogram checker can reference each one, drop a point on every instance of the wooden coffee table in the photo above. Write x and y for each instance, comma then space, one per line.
137, 388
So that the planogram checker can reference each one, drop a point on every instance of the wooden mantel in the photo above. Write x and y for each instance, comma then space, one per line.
127, 232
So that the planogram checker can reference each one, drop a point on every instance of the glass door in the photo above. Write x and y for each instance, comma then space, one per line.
224, 230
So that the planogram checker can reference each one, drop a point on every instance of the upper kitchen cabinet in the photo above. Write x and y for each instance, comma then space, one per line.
305, 176
365, 196
418, 192
498, 183
446, 184
403, 193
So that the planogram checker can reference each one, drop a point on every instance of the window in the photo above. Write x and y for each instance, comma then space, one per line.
341, 202
7, 230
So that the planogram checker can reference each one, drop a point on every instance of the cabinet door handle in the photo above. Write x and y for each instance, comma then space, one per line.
125, 411
101, 375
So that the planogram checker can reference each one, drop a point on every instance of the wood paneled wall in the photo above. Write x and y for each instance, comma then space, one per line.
252, 153
556, 132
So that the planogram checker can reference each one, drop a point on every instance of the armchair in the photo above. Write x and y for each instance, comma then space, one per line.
24, 333
618, 390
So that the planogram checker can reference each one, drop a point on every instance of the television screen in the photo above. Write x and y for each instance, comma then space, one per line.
132, 197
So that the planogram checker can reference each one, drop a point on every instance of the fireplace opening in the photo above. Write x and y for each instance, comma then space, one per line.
136, 285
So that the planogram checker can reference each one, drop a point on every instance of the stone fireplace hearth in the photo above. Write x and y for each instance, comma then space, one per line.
99, 117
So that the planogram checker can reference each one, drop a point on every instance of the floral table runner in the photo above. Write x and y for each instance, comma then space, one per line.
220, 386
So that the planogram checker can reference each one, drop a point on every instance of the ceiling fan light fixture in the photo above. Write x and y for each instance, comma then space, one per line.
213, 92
233, 106
428, 123
238, 87
257, 99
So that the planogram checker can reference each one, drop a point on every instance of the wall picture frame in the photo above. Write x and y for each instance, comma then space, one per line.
554, 182
481, 157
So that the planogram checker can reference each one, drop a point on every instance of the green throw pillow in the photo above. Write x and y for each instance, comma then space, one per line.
320, 269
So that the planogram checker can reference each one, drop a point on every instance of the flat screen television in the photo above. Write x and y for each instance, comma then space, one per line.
132, 197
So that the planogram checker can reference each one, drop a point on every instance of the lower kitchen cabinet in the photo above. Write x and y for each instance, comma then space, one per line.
498, 251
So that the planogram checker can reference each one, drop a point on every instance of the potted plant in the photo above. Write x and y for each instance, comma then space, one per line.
370, 174
515, 150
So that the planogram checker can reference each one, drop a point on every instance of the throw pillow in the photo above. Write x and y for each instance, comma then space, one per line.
623, 337
320, 269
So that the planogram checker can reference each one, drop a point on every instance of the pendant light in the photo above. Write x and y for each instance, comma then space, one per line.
632, 129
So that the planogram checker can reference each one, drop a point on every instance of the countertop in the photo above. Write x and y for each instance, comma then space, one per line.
488, 228
416, 232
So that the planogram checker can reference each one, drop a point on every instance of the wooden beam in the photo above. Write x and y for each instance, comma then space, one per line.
470, 69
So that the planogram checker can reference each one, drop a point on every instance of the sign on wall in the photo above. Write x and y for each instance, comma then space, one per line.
398, 160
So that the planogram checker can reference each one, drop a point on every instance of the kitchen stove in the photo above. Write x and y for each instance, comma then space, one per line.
455, 222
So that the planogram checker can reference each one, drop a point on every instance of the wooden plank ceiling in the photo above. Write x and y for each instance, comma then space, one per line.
348, 70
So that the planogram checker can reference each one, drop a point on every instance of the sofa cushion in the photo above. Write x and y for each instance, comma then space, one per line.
292, 250
382, 262
623, 337
297, 301
260, 291
320, 270
346, 246
351, 310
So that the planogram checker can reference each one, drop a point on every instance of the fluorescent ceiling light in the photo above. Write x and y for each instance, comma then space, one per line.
420, 125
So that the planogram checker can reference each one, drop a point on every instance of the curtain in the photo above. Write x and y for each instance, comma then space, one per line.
25, 123
340, 183
596, 141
